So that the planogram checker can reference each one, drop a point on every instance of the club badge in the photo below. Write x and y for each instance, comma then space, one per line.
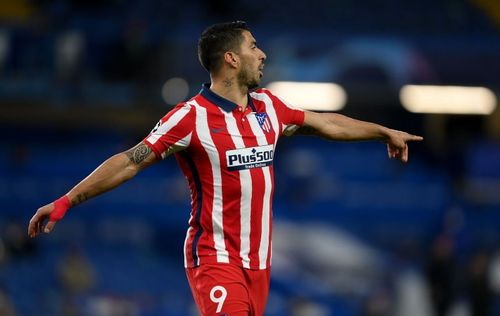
264, 122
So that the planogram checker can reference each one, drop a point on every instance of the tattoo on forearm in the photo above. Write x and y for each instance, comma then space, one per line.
138, 153
80, 198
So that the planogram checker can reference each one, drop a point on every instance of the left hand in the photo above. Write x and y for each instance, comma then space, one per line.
397, 146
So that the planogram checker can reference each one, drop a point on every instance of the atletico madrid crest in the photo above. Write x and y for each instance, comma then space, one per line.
264, 122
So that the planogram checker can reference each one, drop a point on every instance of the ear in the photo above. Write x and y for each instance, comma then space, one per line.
231, 59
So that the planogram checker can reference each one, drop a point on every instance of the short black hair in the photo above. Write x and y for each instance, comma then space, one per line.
218, 39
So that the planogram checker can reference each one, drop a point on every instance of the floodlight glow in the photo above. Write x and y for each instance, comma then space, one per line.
448, 99
318, 96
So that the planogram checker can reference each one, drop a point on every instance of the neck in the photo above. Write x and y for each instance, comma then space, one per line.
228, 88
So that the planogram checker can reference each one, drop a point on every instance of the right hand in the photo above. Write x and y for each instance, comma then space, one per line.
37, 221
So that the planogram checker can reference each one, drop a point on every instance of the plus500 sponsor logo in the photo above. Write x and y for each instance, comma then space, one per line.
248, 158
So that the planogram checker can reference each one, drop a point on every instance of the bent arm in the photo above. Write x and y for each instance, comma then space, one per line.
112, 172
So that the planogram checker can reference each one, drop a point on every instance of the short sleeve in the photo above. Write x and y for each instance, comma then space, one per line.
291, 118
173, 132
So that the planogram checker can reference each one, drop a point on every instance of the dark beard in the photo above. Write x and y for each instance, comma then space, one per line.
244, 80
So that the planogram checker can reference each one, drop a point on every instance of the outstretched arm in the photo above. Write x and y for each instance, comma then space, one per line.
338, 127
110, 174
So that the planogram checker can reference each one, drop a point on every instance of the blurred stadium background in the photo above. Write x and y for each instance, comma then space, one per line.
355, 233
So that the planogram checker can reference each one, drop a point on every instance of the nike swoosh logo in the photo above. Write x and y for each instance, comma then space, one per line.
217, 130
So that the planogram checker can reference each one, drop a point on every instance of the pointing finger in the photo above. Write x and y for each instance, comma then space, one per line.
414, 138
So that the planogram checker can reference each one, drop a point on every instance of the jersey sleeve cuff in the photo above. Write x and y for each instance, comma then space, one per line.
299, 118
154, 148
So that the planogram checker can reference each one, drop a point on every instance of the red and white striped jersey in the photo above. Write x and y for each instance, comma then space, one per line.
227, 157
